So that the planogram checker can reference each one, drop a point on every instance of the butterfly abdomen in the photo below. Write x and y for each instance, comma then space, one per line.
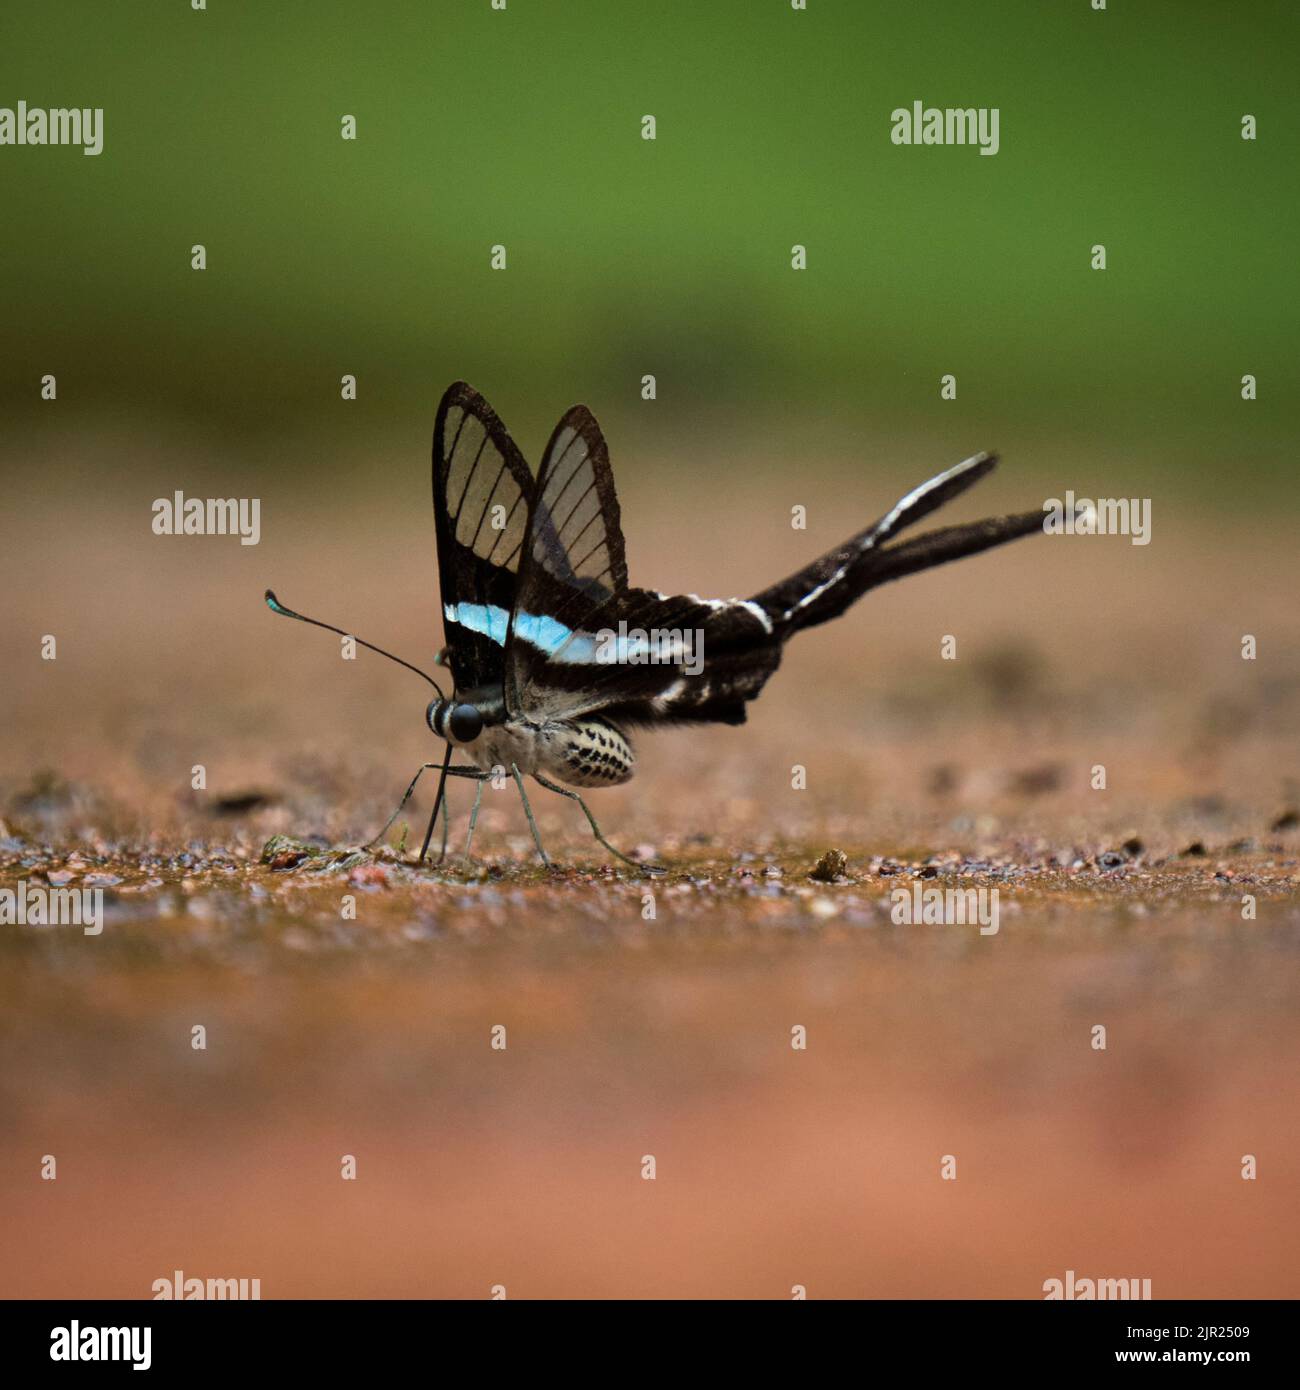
590, 753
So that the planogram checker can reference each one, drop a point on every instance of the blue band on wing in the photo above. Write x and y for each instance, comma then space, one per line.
569, 648
487, 620
540, 631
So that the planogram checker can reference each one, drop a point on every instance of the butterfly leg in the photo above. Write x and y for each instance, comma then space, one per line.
440, 803
528, 811
388, 823
446, 826
473, 819
595, 829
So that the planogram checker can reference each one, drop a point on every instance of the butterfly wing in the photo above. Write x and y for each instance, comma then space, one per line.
573, 565
481, 493
580, 638
712, 656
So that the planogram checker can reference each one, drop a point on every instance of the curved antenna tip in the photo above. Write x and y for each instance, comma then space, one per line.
276, 606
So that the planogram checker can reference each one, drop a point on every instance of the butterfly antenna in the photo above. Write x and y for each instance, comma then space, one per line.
276, 606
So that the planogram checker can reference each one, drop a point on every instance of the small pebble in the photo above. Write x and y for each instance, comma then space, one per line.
832, 865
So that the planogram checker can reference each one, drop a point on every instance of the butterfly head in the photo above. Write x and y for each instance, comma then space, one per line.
455, 720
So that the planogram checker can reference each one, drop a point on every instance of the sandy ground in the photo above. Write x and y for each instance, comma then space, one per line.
629, 1036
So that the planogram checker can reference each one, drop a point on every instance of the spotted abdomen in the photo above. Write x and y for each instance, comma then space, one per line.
593, 753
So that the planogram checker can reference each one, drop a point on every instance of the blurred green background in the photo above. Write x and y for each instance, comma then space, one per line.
627, 257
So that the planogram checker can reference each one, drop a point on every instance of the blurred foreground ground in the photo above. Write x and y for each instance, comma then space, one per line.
670, 1037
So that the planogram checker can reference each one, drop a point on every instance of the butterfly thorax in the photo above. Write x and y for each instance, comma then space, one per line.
587, 752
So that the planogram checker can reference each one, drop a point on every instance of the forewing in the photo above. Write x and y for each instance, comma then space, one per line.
481, 494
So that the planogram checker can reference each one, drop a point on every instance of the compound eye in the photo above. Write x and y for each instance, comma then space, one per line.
465, 723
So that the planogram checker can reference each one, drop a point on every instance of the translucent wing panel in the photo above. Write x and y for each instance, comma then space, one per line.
484, 496
573, 568
481, 494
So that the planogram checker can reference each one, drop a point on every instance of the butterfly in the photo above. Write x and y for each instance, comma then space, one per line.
555, 659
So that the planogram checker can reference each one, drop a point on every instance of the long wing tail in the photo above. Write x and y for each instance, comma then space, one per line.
824, 589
